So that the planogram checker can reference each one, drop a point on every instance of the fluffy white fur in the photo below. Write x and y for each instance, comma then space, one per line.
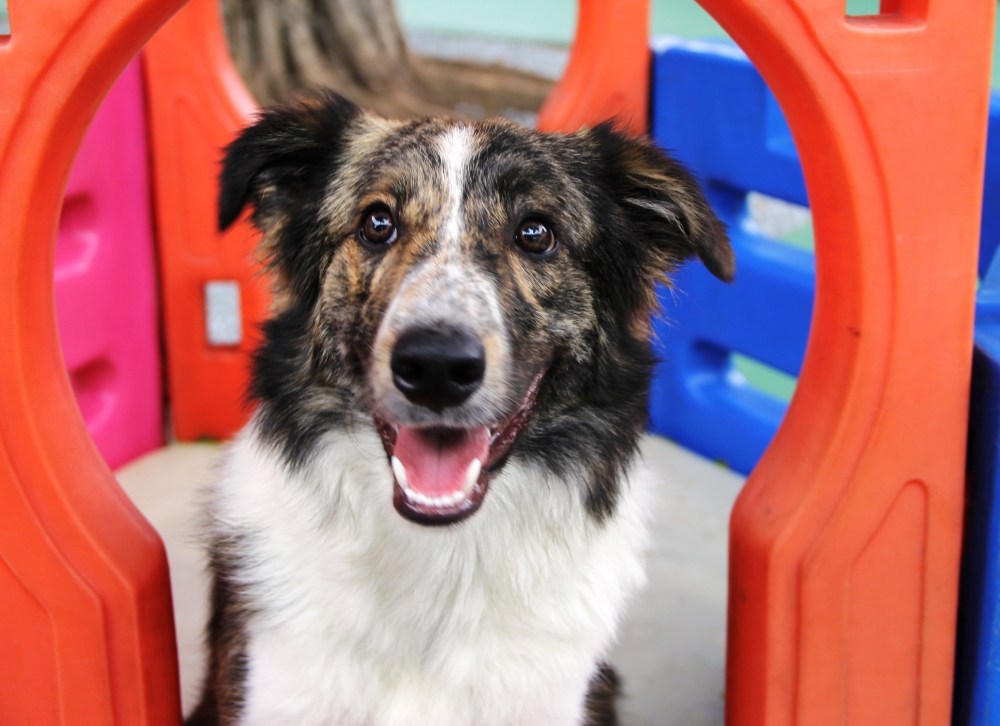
361, 617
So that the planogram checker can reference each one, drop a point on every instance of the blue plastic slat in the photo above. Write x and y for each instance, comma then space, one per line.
990, 236
713, 111
977, 665
977, 662
697, 398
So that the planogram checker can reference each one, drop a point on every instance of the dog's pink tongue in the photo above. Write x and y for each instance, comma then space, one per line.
437, 460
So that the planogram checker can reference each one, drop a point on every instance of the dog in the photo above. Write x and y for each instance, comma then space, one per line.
428, 519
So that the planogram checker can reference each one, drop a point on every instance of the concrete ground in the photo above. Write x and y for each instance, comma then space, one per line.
671, 651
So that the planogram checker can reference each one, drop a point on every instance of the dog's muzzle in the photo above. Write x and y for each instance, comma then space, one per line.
442, 473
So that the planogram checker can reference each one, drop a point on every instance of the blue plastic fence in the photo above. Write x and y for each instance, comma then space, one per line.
712, 109
977, 666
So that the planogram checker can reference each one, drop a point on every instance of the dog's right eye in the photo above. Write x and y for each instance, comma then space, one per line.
378, 228
535, 237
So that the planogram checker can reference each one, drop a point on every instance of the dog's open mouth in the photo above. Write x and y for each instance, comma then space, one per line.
442, 474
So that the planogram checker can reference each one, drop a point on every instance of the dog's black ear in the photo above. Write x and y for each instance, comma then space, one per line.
273, 161
663, 201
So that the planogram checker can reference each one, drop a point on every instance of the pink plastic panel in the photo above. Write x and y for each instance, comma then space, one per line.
105, 280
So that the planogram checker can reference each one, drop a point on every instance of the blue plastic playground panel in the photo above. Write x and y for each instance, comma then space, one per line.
990, 236
977, 665
712, 110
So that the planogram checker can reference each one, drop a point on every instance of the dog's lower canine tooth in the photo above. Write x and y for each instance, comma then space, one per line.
400, 473
471, 475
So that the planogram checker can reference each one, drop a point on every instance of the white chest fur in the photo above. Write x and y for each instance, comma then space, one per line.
361, 617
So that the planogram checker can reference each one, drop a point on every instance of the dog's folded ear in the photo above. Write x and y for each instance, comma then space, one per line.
279, 157
664, 202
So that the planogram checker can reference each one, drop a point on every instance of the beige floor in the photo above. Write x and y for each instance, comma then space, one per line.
671, 650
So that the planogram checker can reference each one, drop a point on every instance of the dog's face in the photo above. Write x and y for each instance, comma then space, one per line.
476, 291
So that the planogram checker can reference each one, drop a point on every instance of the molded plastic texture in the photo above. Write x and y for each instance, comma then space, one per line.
87, 631
608, 72
105, 280
197, 105
845, 541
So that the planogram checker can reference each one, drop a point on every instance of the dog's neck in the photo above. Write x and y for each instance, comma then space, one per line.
340, 584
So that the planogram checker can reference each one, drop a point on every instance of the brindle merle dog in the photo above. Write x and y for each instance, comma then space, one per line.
429, 518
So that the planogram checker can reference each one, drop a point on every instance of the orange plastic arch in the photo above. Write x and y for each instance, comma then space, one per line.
86, 632
608, 72
197, 104
845, 541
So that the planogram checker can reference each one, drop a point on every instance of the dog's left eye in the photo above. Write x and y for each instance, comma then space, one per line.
378, 228
535, 237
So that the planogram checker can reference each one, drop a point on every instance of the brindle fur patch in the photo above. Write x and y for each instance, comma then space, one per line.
222, 695
602, 696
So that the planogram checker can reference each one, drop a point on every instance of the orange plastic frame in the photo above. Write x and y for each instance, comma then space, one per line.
845, 541
197, 103
86, 625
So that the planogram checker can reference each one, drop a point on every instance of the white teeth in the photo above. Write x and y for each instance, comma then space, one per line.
448, 500
471, 476
400, 471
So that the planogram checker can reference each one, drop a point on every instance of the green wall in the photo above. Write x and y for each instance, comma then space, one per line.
553, 21
547, 21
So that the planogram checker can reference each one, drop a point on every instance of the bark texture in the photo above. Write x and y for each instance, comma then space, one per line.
356, 47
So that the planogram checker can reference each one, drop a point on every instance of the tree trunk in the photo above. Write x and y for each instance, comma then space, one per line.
285, 47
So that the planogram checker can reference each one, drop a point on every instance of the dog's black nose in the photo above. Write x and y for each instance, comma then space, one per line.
436, 368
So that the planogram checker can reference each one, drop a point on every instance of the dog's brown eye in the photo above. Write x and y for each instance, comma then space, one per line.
379, 227
534, 236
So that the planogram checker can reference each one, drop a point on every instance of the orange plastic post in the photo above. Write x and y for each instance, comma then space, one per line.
86, 626
608, 72
845, 541
197, 104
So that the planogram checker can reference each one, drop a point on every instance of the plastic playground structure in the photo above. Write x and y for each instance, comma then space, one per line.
846, 540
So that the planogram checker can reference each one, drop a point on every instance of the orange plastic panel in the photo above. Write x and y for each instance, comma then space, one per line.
608, 72
197, 104
86, 627
845, 541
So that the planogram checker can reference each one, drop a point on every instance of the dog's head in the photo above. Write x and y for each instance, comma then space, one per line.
475, 290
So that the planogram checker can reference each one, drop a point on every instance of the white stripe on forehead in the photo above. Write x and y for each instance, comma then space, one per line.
456, 147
